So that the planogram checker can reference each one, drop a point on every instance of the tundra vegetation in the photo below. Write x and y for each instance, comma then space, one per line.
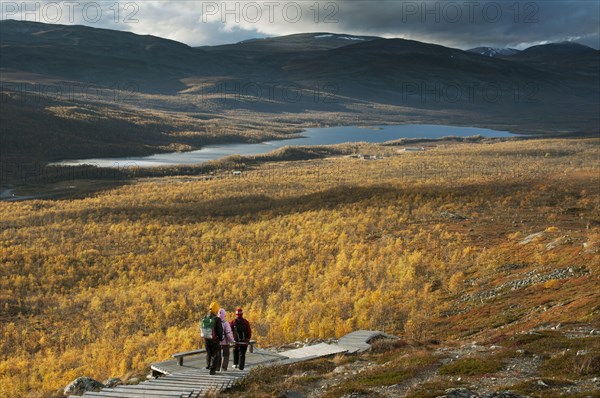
430, 245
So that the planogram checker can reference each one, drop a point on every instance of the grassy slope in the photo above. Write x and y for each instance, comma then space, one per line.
123, 274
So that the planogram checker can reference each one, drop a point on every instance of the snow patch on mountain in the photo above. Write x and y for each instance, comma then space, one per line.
338, 37
494, 52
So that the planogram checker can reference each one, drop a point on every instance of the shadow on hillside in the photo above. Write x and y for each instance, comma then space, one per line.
248, 208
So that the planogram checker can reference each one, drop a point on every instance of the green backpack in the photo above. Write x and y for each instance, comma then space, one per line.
207, 327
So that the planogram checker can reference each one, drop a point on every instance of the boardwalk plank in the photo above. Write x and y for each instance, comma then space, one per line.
193, 385
319, 350
152, 392
129, 394
148, 387
190, 384
196, 378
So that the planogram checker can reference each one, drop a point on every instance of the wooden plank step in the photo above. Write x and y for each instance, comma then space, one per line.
185, 383
192, 383
203, 378
205, 372
196, 384
236, 373
146, 385
114, 394
137, 393
152, 393
156, 389
198, 377
193, 387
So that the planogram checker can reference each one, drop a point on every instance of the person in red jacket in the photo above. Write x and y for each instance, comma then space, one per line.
242, 334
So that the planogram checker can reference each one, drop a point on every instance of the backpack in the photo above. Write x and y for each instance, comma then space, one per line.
239, 329
207, 327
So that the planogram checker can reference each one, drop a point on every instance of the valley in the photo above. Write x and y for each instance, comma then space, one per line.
481, 253
152, 95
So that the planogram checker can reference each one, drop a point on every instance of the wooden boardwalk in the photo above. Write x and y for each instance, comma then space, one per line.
315, 351
360, 340
192, 379
198, 362
189, 383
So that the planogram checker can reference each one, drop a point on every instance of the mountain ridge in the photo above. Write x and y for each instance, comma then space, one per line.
321, 78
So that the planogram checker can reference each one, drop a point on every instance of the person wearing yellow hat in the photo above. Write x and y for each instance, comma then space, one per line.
211, 330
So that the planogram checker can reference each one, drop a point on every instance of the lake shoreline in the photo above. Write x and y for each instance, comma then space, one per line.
83, 181
71, 182
319, 136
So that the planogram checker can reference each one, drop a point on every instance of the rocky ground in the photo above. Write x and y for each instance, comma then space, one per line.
518, 372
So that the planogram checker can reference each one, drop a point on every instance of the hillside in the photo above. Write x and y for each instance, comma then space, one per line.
528, 364
259, 88
459, 243
100, 56
291, 43
580, 61
37, 128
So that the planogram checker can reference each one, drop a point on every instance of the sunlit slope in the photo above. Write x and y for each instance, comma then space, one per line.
411, 243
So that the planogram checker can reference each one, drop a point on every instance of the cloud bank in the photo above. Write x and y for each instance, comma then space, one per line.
462, 24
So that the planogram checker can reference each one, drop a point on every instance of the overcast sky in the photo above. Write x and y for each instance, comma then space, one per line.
462, 23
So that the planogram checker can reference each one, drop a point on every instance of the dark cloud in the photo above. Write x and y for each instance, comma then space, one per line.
461, 23
468, 24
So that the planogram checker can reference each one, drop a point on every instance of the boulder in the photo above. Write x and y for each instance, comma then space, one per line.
291, 394
81, 385
112, 382
355, 395
531, 238
453, 216
459, 393
503, 394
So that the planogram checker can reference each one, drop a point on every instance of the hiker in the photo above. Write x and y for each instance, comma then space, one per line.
212, 331
242, 334
227, 339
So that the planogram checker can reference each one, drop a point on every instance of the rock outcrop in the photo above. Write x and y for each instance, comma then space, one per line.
466, 393
81, 385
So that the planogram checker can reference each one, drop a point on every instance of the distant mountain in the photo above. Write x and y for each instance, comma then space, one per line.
360, 65
566, 48
293, 43
103, 56
570, 58
391, 70
270, 80
494, 52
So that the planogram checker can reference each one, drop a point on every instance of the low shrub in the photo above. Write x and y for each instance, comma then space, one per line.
471, 367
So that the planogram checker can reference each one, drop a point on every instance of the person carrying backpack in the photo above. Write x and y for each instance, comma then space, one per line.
227, 339
242, 334
211, 330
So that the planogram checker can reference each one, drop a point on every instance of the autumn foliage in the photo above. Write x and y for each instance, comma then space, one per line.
105, 285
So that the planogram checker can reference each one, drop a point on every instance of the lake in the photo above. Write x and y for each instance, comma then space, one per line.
311, 136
